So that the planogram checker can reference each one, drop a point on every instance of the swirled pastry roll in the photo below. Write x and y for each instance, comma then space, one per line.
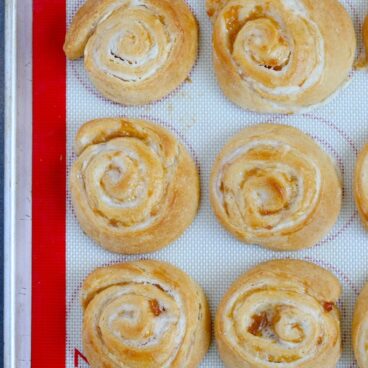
361, 185
365, 38
144, 314
280, 314
135, 51
281, 56
360, 329
272, 185
134, 187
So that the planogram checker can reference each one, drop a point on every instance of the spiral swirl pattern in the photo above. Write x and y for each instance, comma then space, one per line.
280, 55
144, 314
361, 185
360, 329
131, 47
134, 187
268, 185
277, 314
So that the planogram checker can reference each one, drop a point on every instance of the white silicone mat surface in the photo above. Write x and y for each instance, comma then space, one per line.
204, 120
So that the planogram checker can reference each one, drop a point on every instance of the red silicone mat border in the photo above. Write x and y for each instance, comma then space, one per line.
49, 187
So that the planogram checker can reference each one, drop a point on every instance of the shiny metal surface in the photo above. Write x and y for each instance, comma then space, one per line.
18, 183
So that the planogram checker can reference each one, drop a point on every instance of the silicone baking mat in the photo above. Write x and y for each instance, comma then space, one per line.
204, 120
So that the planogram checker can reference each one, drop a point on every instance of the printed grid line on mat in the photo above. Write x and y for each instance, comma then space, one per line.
204, 120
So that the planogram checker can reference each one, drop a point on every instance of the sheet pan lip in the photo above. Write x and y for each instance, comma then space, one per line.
18, 184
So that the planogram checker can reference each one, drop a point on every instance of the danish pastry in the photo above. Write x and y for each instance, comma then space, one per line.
134, 187
135, 51
360, 329
361, 185
281, 56
144, 314
272, 185
281, 313
365, 38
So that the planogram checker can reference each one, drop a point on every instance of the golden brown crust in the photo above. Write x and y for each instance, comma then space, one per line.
360, 329
281, 56
144, 314
365, 37
361, 185
131, 48
282, 311
134, 187
272, 185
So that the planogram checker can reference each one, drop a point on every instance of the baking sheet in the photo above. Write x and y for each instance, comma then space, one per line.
204, 120
17, 183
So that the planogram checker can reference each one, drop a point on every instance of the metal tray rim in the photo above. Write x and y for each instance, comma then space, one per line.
18, 184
